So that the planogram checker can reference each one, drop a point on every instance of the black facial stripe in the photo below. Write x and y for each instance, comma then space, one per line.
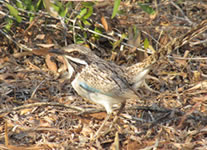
77, 69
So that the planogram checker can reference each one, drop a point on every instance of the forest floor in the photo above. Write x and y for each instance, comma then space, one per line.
39, 109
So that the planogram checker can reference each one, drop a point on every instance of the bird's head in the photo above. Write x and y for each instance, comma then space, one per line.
75, 53
76, 57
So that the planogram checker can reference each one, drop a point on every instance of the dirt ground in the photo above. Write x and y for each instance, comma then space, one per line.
39, 109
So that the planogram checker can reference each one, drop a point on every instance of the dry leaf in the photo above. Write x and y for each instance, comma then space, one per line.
18, 55
7, 76
86, 131
41, 52
104, 23
100, 115
45, 45
115, 145
32, 66
50, 64
40, 37
164, 40
3, 60
6, 138
25, 111
200, 85
133, 145
196, 76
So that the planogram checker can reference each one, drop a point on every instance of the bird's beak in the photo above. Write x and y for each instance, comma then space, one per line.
57, 51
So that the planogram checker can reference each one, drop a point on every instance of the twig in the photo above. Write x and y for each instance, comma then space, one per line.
18, 44
33, 93
198, 42
41, 104
181, 11
195, 58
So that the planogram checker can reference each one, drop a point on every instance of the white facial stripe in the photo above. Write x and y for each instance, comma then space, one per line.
70, 68
79, 61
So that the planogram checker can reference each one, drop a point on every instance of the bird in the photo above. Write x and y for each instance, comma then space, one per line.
107, 83
98, 80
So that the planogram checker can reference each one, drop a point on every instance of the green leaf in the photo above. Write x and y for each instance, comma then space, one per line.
79, 40
80, 25
98, 31
82, 13
89, 13
55, 7
115, 9
85, 35
117, 43
136, 31
8, 25
14, 12
147, 8
146, 43
51, 7
88, 4
86, 22
67, 6
63, 12
19, 5
39, 5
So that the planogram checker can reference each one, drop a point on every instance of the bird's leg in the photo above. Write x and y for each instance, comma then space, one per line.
116, 117
119, 112
97, 135
121, 108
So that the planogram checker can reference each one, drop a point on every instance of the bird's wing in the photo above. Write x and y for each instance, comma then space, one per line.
105, 78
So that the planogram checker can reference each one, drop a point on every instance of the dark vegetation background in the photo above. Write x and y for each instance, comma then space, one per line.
40, 110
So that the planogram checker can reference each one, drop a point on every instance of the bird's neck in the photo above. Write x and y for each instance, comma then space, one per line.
74, 68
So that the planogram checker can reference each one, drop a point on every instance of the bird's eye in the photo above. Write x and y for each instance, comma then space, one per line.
75, 54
